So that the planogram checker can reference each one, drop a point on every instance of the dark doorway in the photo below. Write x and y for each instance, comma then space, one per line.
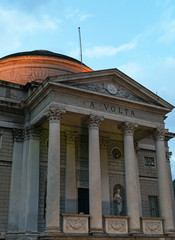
153, 205
83, 200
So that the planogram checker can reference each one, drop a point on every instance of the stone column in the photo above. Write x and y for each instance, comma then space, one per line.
23, 191
95, 199
104, 176
131, 178
32, 191
70, 189
14, 203
53, 175
166, 210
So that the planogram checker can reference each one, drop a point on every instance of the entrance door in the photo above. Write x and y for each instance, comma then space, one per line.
83, 200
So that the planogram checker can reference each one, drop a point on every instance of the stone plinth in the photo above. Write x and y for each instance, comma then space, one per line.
75, 223
116, 224
152, 226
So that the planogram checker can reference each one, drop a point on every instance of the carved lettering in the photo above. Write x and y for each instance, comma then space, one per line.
132, 113
126, 110
112, 108
92, 105
120, 110
106, 106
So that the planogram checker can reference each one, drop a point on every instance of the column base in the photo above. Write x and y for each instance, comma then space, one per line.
26, 236
51, 234
52, 230
97, 232
9, 236
170, 232
135, 232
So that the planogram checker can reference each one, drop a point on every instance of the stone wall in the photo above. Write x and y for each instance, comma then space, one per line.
6, 150
148, 187
116, 168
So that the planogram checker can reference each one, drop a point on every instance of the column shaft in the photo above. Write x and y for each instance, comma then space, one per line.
95, 200
23, 191
14, 203
32, 183
70, 189
166, 210
104, 177
131, 178
53, 175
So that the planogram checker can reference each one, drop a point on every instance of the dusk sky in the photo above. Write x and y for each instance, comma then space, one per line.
135, 36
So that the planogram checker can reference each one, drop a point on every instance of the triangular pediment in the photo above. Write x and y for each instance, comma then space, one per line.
112, 89
113, 83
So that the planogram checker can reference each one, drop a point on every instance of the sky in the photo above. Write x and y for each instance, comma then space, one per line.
135, 36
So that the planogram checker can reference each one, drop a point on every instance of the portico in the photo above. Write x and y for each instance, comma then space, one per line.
88, 136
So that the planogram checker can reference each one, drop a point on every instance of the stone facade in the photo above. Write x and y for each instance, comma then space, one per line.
68, 146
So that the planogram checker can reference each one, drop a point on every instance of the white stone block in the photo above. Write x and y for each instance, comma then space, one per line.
152, 226
116, 224
75, 223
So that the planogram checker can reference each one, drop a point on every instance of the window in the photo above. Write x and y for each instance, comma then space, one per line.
149, 161
83, 200
153, 206
116, 153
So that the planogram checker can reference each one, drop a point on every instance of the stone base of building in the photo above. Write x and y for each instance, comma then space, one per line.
62, 236
108, 237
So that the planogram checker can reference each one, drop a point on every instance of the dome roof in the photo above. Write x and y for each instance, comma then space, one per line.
24, 67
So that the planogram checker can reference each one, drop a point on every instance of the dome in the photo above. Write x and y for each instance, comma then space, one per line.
24, 67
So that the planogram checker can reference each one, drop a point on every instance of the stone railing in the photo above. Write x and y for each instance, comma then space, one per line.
153, 226
116, 224
75, 223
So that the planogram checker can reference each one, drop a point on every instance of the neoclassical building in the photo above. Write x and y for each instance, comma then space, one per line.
83, 154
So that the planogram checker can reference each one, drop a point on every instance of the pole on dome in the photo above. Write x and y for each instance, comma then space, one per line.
80, 49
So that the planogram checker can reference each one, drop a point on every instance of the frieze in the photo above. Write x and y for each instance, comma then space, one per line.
75, 223
152, 226
116, 224
114, 109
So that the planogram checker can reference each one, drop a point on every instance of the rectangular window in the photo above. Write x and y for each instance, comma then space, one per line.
149, 161
153, 206
83, 200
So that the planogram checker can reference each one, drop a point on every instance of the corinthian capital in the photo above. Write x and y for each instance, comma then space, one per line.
18, 134
55, 112
160, 133
128, 128
71, 137
104, 141
94, 121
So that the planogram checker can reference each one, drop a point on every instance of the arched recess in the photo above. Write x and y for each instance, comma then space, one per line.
117, 182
